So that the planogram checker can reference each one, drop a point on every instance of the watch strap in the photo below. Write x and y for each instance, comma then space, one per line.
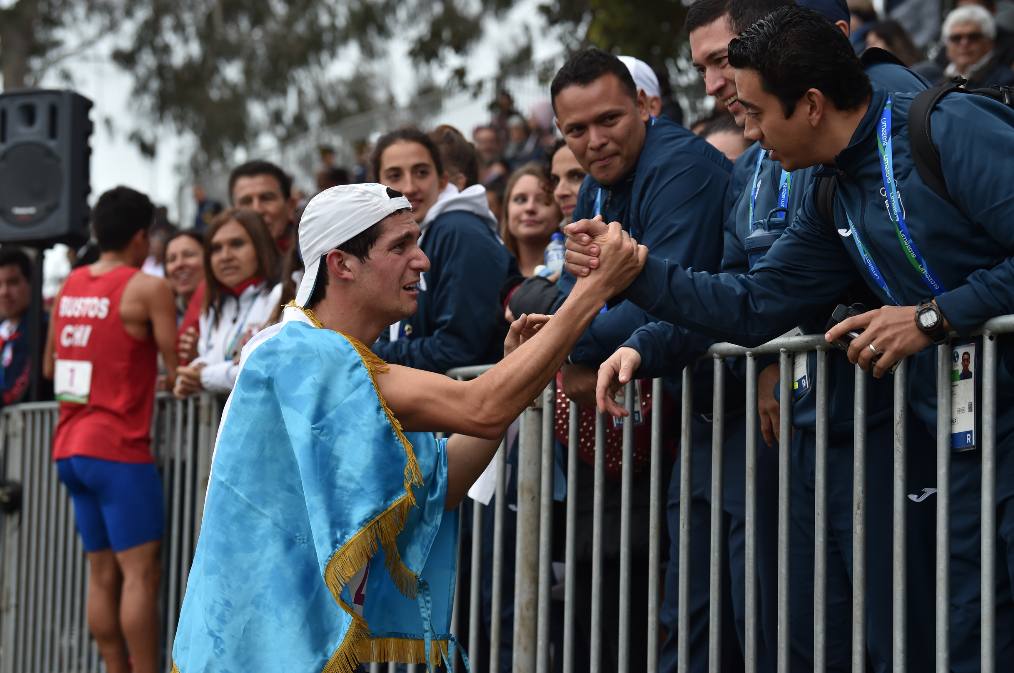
937, 333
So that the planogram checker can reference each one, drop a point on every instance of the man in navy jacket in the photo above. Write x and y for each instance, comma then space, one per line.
667, 188
946, 260
764, 199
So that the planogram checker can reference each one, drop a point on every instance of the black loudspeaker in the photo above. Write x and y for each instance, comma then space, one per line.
44, 167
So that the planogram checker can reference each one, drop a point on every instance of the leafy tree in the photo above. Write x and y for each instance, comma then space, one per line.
230, 73
651, 31
38, 35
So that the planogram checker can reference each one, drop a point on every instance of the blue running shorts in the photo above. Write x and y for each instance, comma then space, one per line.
116, 505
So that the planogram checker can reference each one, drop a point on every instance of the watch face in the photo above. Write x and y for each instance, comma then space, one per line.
928, 319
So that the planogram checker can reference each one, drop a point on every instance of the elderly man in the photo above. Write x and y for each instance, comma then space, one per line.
969, 34
325, 520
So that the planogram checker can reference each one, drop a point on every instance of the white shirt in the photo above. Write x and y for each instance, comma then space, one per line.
221, 340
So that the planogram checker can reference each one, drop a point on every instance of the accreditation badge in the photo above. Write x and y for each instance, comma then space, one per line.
963, 397
800, 374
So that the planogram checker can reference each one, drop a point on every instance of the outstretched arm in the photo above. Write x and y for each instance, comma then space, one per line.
485, 406
806, 269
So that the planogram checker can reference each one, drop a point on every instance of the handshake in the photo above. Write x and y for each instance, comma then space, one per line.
603, 255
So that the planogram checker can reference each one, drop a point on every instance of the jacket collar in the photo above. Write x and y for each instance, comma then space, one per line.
863, 142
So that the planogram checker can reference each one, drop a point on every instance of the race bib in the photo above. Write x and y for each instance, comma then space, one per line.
963, 397
72, 381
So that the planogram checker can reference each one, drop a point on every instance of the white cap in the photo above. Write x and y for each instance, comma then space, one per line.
337, 215
645, 78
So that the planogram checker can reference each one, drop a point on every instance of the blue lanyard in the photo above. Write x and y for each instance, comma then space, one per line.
871, 266
755, 188
895, 211
784, 186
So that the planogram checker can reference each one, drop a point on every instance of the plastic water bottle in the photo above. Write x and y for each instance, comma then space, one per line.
553, 256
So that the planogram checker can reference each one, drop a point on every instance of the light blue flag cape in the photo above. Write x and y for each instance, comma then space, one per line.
324, 541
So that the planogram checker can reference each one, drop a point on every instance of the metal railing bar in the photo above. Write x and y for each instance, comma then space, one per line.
859, 524
716, 549
626, 485
654, 524
785, 430
750, 514
683, 566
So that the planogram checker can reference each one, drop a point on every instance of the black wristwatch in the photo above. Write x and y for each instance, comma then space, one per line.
930, 321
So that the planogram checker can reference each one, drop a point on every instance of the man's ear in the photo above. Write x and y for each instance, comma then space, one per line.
338, 265
815, 106
442, 183
642, 106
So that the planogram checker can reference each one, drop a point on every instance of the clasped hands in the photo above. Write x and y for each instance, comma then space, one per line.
887, 334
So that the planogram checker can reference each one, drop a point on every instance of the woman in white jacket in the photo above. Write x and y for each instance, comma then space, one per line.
241, 267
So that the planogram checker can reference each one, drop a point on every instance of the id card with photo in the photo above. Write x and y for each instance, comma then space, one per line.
637, 416
72, 381
963, 397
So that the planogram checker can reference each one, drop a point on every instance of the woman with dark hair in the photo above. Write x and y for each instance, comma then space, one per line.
565, 178
530, 216
458, 319
184, 267
241, 267
891, 36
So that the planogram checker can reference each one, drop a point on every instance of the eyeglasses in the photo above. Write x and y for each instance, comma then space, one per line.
955, 38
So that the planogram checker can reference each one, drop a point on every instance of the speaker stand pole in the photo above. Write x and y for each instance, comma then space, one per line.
36, 336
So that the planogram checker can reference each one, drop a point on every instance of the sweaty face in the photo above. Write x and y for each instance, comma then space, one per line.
184, 265
408, 167
967, 45
709, 49
263, 194
531, 211
15, 292
603, 126
791, 140
233, 256
566, 175
387, 281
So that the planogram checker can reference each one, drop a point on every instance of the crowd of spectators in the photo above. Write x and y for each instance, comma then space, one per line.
608, 142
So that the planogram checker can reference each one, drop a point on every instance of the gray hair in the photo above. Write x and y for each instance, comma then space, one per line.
976, 14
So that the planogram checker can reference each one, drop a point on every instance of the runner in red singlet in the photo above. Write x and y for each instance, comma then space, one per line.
109, 323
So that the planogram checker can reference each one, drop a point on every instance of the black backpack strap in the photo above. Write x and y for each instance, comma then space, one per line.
924, 152
874, 55
823, 194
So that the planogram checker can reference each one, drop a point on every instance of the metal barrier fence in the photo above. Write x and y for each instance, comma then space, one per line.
43, 573
42, 608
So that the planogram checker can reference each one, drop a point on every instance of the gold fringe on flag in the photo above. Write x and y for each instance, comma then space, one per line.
384, 529
402, 650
